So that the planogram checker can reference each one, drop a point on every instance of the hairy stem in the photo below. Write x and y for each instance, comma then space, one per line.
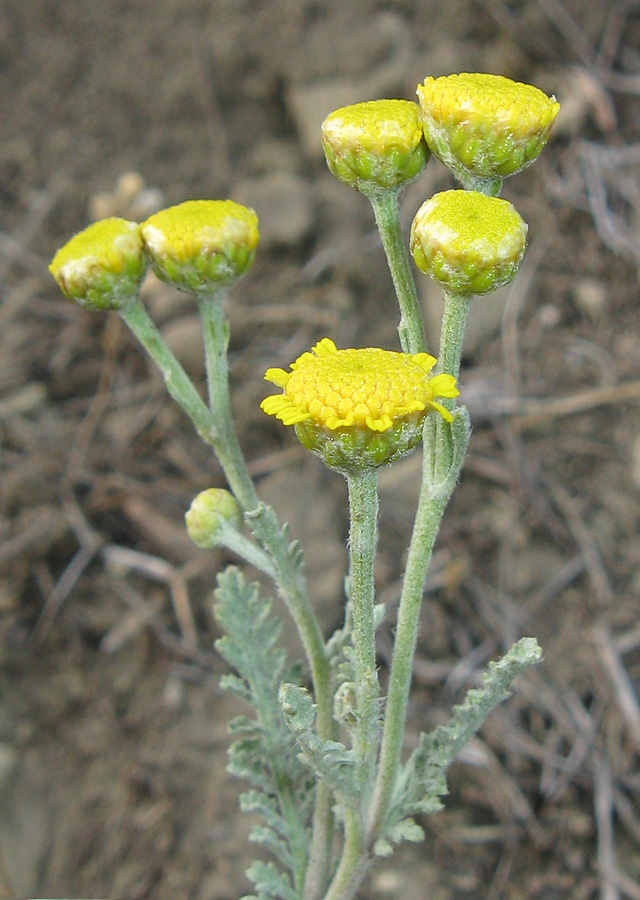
440, 470
454, 323
411, 328
216, 341
426, 526
363, 534
177, 382
354, 862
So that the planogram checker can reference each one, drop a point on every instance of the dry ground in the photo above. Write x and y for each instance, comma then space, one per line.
112, 727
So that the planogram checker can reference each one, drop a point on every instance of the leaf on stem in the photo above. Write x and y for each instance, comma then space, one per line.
263, 522
264, 753
270, 883
330, 760
423, 779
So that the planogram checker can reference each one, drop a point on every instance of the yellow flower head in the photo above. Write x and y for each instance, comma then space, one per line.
358, 408
201, 244
376, 145
467, 242
102, 266
485, 126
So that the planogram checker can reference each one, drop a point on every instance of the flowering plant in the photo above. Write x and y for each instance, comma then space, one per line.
324, 761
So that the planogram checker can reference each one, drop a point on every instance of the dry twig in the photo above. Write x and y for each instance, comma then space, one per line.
625, 695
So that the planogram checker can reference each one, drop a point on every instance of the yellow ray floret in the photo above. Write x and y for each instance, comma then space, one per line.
369, 389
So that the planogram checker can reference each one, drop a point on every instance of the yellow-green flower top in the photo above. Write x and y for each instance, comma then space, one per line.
467, 242
376, 145
358, 408
102, 266
486, 125
201, 244
210, 511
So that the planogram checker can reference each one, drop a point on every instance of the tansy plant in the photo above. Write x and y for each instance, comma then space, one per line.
323, 752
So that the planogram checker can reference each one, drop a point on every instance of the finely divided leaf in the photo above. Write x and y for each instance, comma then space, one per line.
330, 760
270, 883
423, 779
265, 752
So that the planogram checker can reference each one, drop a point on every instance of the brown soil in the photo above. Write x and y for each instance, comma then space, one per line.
112, 726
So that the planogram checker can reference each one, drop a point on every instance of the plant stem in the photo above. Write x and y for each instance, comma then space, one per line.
363, 534
216, 342
178, 383
491, 186
289, 581
411, 328
215, 427
454, 322
227, 536
433, 498
354, 861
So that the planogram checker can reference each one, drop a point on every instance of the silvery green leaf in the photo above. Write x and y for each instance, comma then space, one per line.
270, 883
265, 752
330, 760
423, 780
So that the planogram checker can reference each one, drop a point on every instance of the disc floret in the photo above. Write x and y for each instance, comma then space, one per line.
358, 408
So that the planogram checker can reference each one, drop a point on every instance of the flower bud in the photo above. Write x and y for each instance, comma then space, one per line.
485, 126
102, 266
377, 145
358, 409
211, 511
467, 242
201, 244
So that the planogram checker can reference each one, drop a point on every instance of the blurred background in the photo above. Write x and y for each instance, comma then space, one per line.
112, 726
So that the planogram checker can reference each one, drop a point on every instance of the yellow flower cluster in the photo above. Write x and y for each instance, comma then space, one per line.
102, 266
196, 246
468, 242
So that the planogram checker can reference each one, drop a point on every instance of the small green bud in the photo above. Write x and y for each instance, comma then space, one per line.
211, 511
377, 145
467, 242
201, 244
485, 127
102, 266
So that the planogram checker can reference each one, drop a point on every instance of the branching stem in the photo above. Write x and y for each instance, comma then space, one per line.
215, 426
